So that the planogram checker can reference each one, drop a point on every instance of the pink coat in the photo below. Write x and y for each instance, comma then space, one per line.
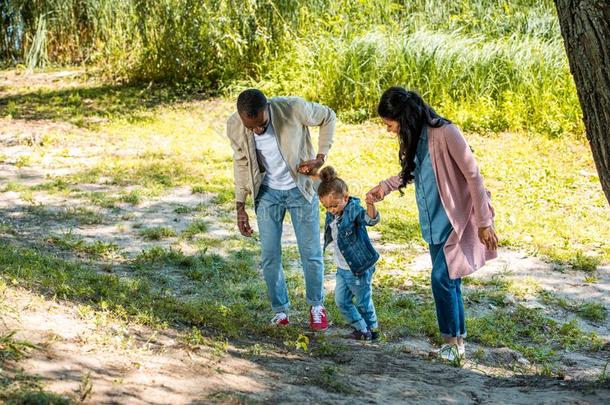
465, 199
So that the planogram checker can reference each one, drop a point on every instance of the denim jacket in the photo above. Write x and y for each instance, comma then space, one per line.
353, 239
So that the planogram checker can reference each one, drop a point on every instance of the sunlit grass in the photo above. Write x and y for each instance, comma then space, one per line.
530, 177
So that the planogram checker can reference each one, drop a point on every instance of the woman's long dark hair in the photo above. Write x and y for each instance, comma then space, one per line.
411, 113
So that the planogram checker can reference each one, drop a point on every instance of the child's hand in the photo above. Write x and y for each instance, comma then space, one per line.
376, 194
370, 207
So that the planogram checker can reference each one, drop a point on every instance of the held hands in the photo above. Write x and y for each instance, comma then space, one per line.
311, 167
243, 222
488, 237
375, 194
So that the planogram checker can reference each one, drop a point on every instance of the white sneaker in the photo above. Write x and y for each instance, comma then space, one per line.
462, 350
448, 352
280, 319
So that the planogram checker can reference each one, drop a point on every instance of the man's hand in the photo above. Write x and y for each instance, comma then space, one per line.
311, 167
375, 195
488, 237
242, 219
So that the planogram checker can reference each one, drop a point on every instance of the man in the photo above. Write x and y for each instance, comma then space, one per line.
273, 161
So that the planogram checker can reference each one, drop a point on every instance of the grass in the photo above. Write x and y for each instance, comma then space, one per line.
331, 379
157, 233
490, 65
195, 339
585, 263
78, 215
195, 228
57, 185
133, 197
219, 309
589, 310
542, 173
187, 210
23, 160
96, 249
113, 200
29, 391
218, 289
527, 330
13, 349
497, 70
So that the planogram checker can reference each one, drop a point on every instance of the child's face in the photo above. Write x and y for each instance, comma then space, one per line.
334, 203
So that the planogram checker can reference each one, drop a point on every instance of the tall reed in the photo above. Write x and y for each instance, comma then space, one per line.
488, 64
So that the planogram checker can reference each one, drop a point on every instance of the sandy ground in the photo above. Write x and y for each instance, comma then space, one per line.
130, 365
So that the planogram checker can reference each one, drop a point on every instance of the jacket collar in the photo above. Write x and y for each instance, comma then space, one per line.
276, 115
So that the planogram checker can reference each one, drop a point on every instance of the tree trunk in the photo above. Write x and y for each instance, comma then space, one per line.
585, 27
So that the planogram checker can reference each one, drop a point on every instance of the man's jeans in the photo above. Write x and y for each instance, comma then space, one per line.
271, 206
447, 296
354, 298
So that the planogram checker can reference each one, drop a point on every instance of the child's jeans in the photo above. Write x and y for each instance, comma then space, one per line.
354, 298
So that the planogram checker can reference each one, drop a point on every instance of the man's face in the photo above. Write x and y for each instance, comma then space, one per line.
257, 124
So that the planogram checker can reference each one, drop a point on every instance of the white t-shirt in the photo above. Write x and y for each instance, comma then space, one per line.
277, 175
340, 261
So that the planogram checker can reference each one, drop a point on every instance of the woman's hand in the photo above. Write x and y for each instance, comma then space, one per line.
375, 194
488, 237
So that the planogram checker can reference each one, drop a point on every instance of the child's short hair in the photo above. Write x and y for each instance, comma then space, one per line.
331, 183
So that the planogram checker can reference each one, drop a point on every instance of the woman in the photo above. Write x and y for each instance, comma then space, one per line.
455, 214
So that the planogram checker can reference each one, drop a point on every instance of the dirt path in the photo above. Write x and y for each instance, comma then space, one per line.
126, 364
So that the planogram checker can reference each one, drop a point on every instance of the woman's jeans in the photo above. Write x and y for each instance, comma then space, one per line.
354, 298
271, 206
447, 296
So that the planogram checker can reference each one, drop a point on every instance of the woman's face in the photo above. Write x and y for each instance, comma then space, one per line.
391, 125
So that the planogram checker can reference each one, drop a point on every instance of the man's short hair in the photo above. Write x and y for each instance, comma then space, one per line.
250, 102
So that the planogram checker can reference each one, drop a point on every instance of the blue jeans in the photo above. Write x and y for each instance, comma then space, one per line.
447, 296
354, 298
271, 206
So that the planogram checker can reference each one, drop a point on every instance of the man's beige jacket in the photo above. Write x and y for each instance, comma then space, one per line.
290, 117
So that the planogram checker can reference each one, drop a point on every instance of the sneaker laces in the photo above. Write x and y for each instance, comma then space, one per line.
449, 352
280, 316
316, 313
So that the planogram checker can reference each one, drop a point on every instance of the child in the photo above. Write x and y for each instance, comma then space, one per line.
355, 256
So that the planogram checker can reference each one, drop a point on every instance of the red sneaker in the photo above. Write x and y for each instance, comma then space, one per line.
317, 318
280, 319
